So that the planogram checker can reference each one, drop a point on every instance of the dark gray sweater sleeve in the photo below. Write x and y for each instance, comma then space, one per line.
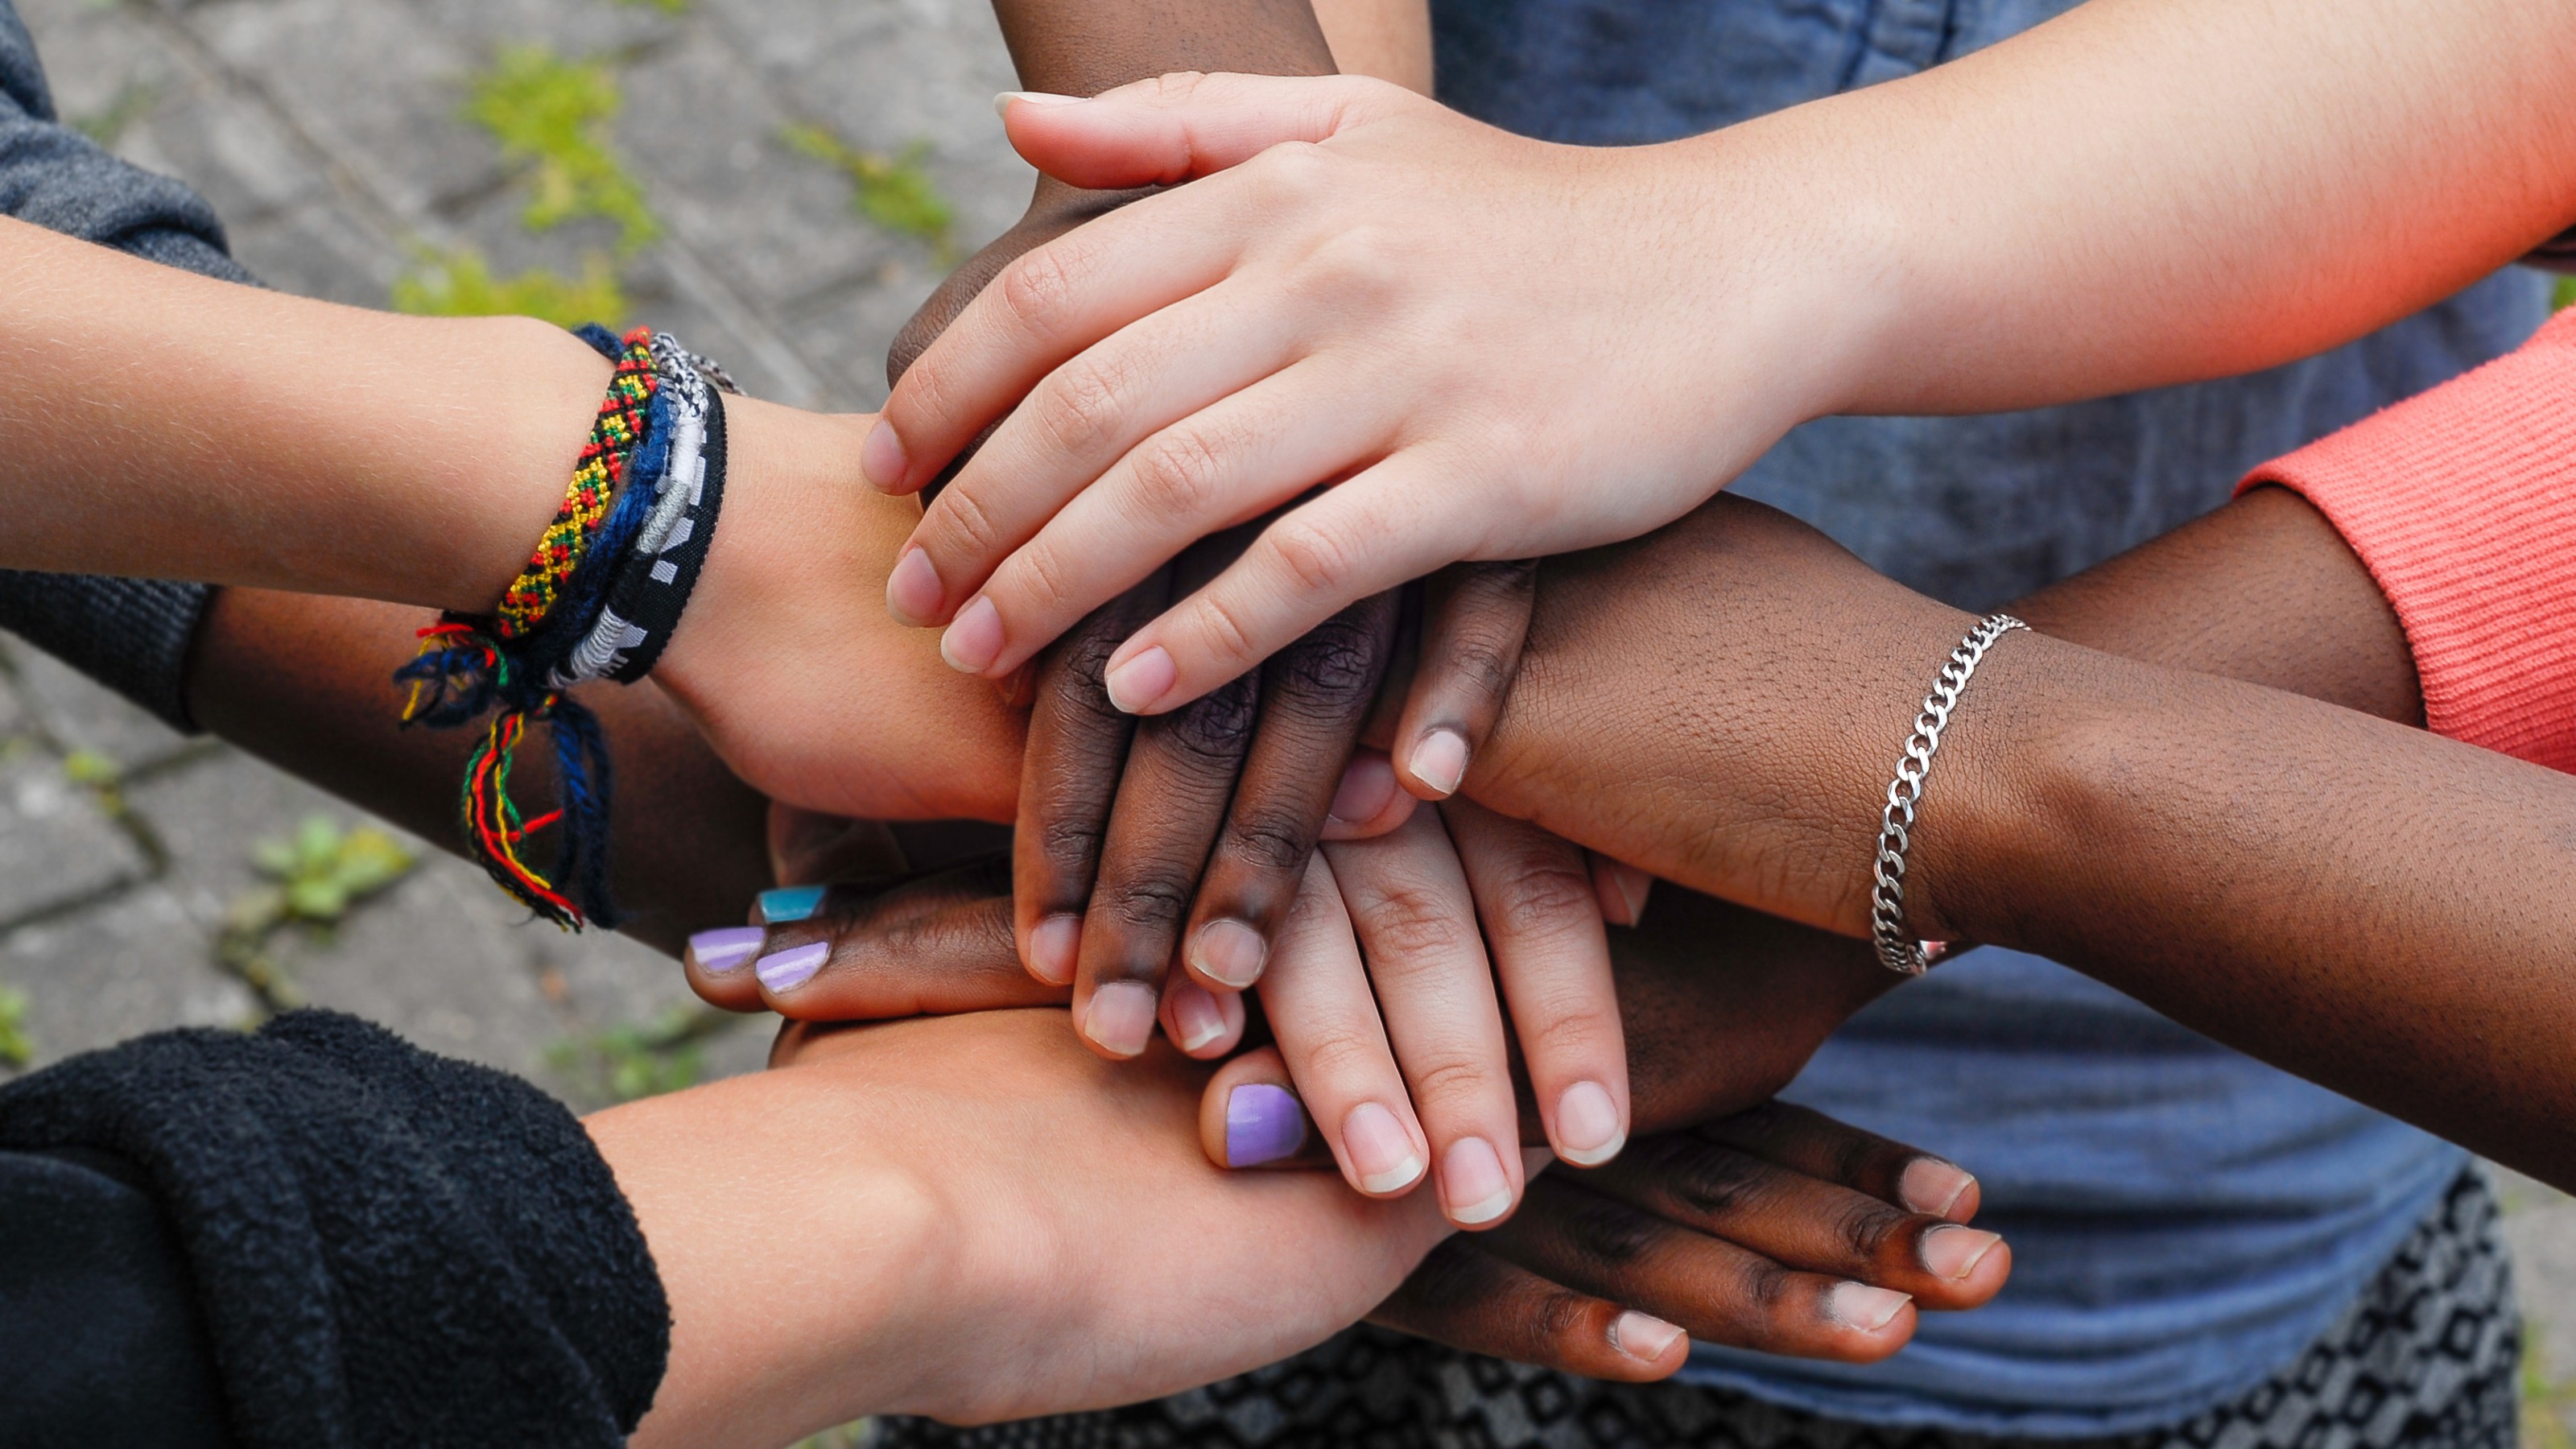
129, 634
342, 1240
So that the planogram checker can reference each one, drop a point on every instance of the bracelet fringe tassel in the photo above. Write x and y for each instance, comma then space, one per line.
470, 664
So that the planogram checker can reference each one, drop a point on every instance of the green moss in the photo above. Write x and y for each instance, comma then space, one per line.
314, 877
460, 284
552, 117
109, 124
16, 1047
640, 1059
895, 192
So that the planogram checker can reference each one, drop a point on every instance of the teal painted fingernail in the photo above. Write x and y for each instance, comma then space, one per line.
788, 904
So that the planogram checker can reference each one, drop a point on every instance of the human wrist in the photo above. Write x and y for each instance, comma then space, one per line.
501, 444
1828, 254
806, 1268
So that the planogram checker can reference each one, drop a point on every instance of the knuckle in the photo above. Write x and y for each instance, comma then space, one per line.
1082, 405
1409, 924
1609, 1233
1714, 1184
1559, 1314
970, 523
1037, 291
1215, 729
1480, 662
1178, 475
1342, 1053
1767, 1286
1539, 898
1335, 666
1291, 175
1270, 839
1316, 556
1226, 634
1154, 901
1070, 842
1865, 1228
1446, 1079
1038, 576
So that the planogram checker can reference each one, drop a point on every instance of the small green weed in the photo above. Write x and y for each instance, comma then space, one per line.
892, 191
552, 116
17, 1048
109, 123
315, 878
644, 1059
2546, 1407
460, 283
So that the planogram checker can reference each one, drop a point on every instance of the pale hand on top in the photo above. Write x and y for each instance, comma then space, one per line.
1491, 347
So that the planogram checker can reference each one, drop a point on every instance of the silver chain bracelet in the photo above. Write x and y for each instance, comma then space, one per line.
1898, 951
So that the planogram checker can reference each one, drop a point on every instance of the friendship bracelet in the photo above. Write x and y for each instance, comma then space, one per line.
1897, 951
657, 573
640, 506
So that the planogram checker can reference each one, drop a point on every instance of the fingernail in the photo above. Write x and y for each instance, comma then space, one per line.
1263, 1123
1641, 1337
786, 970
1587, 1125
1472, 1184
1379, 1149
788, 904
1954, 1252
1121, 1017
912, 588
881, 457
1440, 761
1195, 1013
1930, 1185
720, 951
1366, 788
1055, 944
1136, 684
1002, 100
1864, 1307
974, 637
1633, 885
1229, 951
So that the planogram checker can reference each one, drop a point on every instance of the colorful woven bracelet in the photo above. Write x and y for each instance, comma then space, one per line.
517, 656
656, 574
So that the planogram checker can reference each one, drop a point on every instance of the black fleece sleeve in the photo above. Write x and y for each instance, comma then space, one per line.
375, 1246
129, 634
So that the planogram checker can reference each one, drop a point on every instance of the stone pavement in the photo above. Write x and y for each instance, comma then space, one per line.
330, 135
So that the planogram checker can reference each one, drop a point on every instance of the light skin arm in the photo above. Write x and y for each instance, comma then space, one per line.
1520, 349
832, 1249
165, 425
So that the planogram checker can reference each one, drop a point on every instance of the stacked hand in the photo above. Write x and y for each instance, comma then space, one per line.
1763, 1226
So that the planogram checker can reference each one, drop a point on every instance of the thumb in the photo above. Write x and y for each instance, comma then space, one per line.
1176, 127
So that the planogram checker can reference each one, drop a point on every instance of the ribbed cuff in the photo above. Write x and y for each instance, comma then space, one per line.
2462, 503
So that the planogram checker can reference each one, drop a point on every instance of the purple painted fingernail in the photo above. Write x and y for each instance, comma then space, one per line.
720, 951
786, 970
1263, 1123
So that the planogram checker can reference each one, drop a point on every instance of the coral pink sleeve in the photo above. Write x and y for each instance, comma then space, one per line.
2462, 503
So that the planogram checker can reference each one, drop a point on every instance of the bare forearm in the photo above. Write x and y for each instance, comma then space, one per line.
2357, 901
164, 425
2149, 191
306, 683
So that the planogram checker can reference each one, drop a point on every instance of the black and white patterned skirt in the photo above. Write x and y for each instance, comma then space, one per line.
2425, 1359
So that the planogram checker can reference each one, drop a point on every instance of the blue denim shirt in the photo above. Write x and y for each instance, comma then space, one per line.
2184, 1219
